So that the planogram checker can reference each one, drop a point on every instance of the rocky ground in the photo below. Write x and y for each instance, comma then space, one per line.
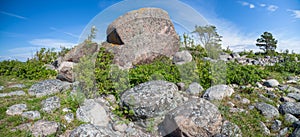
160, 108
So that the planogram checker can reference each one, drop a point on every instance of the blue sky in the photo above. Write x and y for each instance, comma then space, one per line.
27, 25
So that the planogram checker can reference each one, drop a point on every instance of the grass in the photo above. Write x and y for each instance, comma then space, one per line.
7, 123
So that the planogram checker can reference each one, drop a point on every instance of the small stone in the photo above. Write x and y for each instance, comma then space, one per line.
24, 127
66, 110
17, 86
194, 88
181, 86
267, 110
295, 96
44, 128
290, 118
276, 125
238, 97
264, 128
51, 104
290, 107
17, 93
121, 127
16, 109
259, 85
250, 107
69, 117
111, 98
283, 132
230, 129
271, 83
245, 101
31, 115
1, 87
218, 92
287, 99
230, 104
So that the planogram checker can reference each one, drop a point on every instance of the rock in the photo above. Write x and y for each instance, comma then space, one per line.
65, 71
296, 132
290, 118
182, 57
194, 88
181, 86
245, 101
197, 117
66, 110
283, 132
69, 117
44, 128
235, 55
218, 92
264, 99
121, 127
259, 85
31, 115
290, 107
17, 86
150, 99
267, 110
50, 104
79, 51
90, 112
89, 130
271, 83
1, 87
289, 89
287, 99
14, 93
25, 126
147, 34
295, 96
48, 87
276, 125
16, 109
264, 128
230, 129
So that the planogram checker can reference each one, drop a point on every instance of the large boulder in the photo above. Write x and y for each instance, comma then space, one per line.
150, 99
197, 117
218, 92
140, 36
48, 87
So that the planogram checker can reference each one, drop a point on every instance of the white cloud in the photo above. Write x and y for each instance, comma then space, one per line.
13, 15
51, 43
262, 5
251, 6
272, 8
244, 3
64, 32
295, 13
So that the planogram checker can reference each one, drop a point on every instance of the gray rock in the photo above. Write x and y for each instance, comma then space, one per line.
182, 57
230, 129
121, 127
235, 55
44, 128
259, 85
289, 89
264, 128
65, 71
89, 130
290, 107
245, 101
287, 99
264, 99
147, 34
16, 109
17, 86
271, 83
90, 112
295, 96
218, 92
31, 115
276, 125
181, 86
14, 93
150, 99
267, 110
66, 110
194, 88
50, 104
283, 132
296, 132
24, 127
290, 118
1, 87
69, 117
197, 117
48, 87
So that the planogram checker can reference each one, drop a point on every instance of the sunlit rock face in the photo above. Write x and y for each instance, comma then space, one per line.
140, 36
